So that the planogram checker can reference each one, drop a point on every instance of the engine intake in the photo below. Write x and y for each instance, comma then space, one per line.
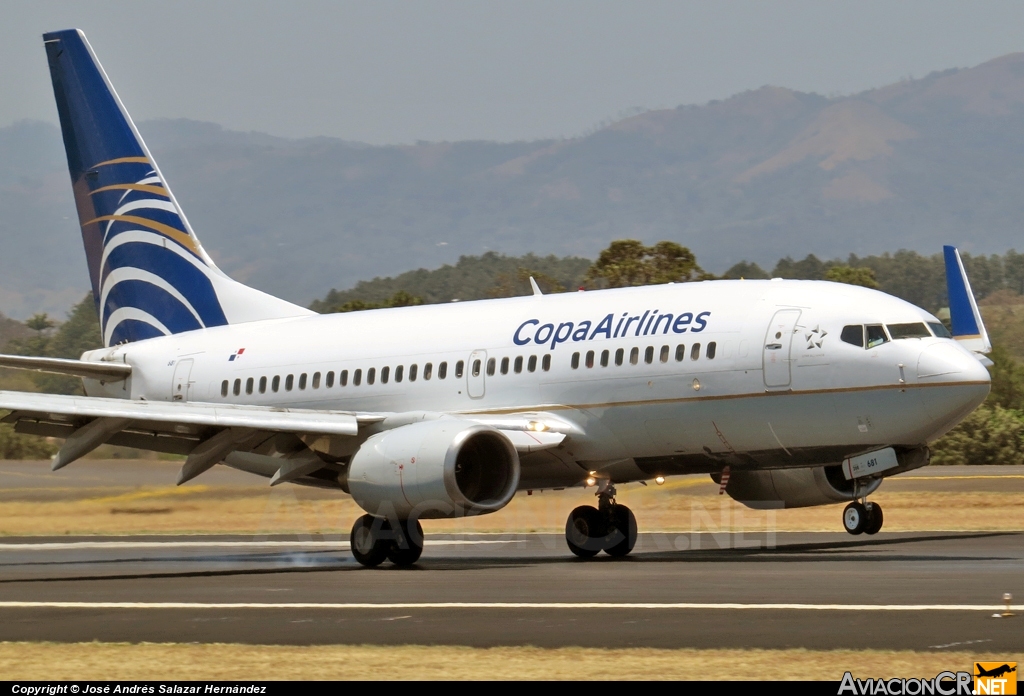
435, 469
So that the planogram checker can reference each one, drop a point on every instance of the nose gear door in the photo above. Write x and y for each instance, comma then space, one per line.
777, 344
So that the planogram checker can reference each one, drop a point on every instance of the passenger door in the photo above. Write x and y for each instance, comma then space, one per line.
778, 341
180, 385
475, 374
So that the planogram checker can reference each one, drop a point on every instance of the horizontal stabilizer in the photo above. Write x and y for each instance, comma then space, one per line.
968, 328
106, 371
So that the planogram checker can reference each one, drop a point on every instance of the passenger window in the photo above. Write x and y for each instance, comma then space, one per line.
531, 364
249, 385
385, 374
604, 358
590, 359
680, 352
476, 367
343, 378
302, 381
876, 335
940, 330
224, 388
316, 380
428, 370
263, 385
664, 353
371, 375
275, 384
712, 349
695, 351
634, 356
357, 378
504, 366
619, 354
491, 363
853, 334
649, 355
442, 370
458, 369
238, 387
574, 363
412, 372
518, 365
329, 382
399, 373
545, 364
289, 382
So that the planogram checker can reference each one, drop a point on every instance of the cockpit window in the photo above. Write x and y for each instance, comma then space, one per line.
876, 335
939, 329
853, 334
915, 330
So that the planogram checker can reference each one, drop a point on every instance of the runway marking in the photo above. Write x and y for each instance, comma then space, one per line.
71, 545
504, 605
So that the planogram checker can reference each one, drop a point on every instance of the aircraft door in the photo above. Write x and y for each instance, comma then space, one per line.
180, 385
777, 343
475, 374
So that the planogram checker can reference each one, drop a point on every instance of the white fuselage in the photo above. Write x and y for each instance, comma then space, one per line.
780, 389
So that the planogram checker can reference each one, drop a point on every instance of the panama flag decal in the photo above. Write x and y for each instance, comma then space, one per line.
237, 354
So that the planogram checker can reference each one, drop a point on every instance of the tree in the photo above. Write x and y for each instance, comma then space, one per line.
990, 435
743, 269
399, 299
864, 277
627, 262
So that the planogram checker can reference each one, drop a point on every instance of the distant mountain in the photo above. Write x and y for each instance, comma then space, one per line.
762, 175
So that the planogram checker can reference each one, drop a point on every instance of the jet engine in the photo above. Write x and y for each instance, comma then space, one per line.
434, 469
793, 488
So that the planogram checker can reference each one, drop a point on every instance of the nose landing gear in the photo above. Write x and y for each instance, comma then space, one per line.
609, 527
862, 518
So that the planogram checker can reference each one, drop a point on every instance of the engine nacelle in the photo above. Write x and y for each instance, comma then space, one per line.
793, 488
434, 469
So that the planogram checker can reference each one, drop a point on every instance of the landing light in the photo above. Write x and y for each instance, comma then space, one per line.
659, 480
537, 426
591, 481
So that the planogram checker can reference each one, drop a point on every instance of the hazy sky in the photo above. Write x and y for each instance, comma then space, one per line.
400, 71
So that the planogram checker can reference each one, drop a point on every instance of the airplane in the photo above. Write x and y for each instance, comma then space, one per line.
996, 672
788, 393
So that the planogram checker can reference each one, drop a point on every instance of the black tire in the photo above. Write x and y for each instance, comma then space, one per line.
370, 539
406, 547
585, 531
621, 538
855, 518
874, 523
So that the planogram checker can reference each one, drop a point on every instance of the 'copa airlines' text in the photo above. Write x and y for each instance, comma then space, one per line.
646, 324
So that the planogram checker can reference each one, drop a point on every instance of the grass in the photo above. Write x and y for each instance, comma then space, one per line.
125, 661
687, 504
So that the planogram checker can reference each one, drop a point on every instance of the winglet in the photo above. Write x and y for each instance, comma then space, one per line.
536, 288
968, 328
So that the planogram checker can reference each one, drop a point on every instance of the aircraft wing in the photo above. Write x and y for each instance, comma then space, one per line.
208, 433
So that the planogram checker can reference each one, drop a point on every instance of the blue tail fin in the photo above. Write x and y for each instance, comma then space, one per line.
968, 328
150, 275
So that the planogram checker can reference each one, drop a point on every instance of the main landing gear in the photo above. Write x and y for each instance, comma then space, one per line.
863, 518
609, 527
375, 539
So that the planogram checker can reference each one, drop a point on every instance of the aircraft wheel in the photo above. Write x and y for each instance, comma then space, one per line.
370, 540
585, 531
621, 537
874, 522
855, 518
406, 547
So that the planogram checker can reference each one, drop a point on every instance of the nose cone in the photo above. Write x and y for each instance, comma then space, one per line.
960, 382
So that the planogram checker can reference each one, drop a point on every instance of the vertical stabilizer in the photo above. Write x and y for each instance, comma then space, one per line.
150, 275
968, 328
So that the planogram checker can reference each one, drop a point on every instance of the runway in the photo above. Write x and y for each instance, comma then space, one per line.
918, 591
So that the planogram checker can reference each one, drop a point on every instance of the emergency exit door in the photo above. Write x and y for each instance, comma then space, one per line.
475, 374
180, 385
